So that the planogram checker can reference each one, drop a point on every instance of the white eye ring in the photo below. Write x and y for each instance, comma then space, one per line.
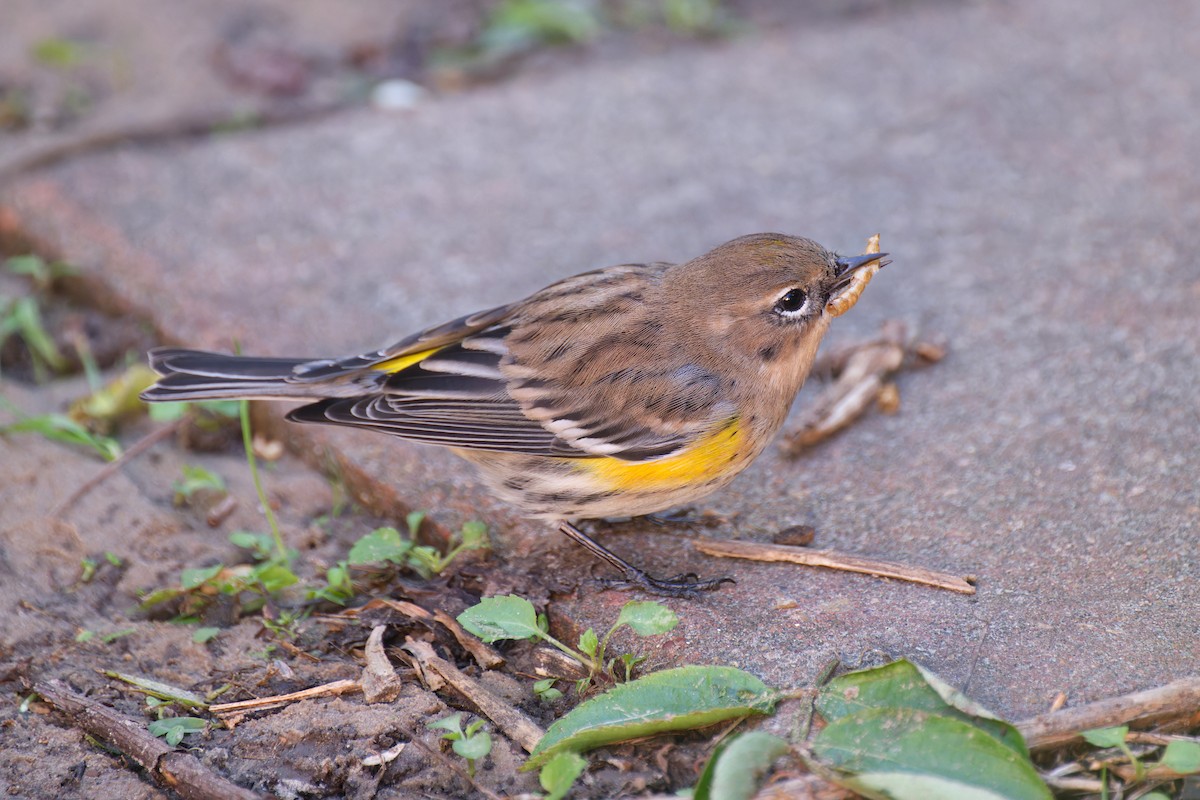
792, 303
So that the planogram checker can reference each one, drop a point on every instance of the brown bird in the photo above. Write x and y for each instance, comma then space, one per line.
617, 392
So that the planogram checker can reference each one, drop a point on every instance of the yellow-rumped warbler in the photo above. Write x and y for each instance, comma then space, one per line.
617, 392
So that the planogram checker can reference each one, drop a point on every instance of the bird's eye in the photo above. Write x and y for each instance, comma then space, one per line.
792, 301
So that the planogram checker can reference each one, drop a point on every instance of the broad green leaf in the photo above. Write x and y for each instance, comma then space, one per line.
647, 618
1182, 757
903, 684
381, 544
908, 754
560, 773
670, 700
274, 577
191, 578
1106, 737
202, 635
473, 747
503, 617
738, 764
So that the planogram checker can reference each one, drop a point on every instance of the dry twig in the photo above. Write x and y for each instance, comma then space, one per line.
518, 727
862, 376
178, 771
231, 712
757, 551
484, 655
1177, 703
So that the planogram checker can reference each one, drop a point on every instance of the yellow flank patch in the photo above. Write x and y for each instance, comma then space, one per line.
707, 459
403, 362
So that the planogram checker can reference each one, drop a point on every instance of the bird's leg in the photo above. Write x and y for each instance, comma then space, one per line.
686, 585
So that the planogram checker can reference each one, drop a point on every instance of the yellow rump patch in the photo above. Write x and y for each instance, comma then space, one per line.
707, 459
403, 362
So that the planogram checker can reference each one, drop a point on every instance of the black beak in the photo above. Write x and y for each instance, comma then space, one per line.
850, 263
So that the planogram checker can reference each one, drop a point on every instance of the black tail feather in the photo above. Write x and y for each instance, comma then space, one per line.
200, 375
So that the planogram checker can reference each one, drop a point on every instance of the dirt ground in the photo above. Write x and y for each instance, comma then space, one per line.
63, 622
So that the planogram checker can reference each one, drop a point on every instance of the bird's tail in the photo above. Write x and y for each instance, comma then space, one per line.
197, 375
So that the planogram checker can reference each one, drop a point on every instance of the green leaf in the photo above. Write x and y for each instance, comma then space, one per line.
647, 618
202, 635
274, 577
560, 773
1182, 757
160, 690
671, 700
502, 617
516, 25
413, 521
259, 543
191, 578
60, 428
474, 535
381, 544
903, 684
545, 691
452, 724
173, 729
473, 747
195, 479
588, 642
58, 53
737, 765
1106, 737
167, 412
910, 754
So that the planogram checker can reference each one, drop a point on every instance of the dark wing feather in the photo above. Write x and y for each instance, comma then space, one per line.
600, 370
572, 371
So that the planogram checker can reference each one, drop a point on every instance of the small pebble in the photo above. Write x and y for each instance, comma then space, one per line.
397, 95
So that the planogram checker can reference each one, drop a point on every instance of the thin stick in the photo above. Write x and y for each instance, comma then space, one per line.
518, 727
114, 466
324, 690
757, 551
485, 656
1177, 702
178, 771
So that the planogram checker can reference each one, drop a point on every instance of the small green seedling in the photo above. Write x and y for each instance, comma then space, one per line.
389, 545
196, 479
473, 743
173, 729
61, 428
513, 617
544, 690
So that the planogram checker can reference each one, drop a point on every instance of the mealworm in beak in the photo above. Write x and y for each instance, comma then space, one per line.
849, 296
